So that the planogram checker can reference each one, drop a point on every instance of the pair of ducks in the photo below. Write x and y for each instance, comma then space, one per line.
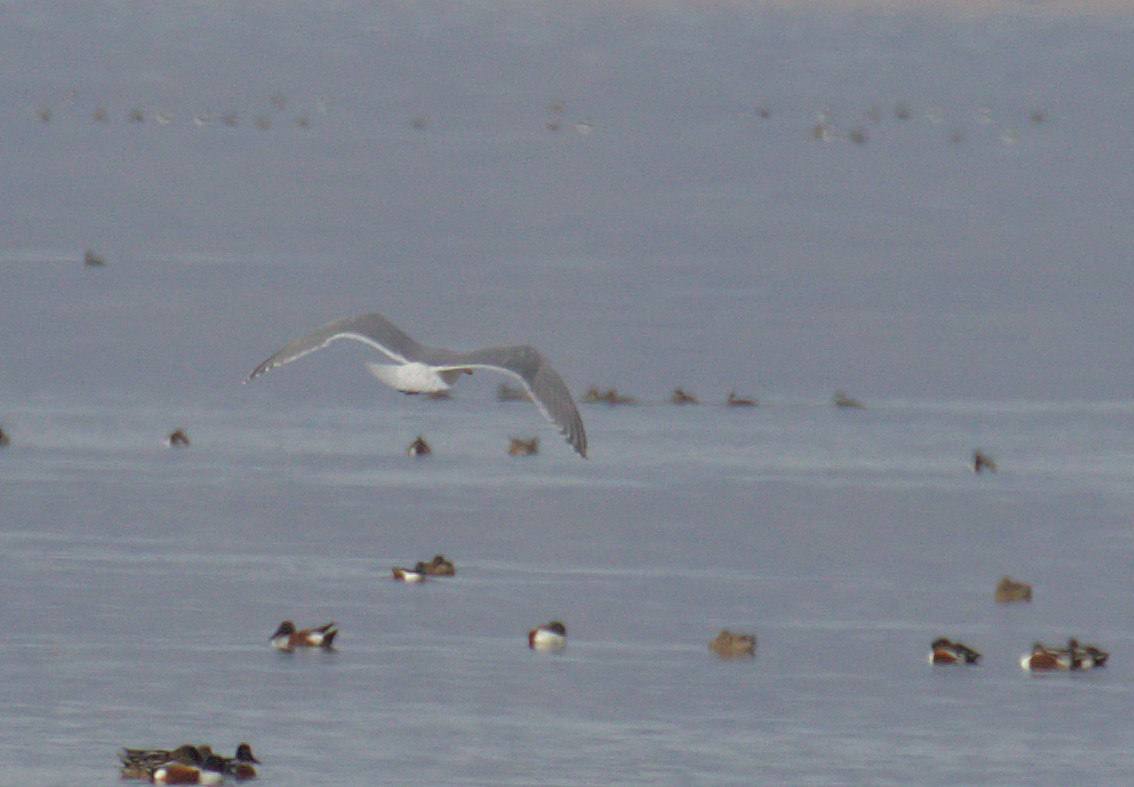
439, 566
551, 637
287, 637
1043, 658
517, 447
680, 396
187, 765
1075, 656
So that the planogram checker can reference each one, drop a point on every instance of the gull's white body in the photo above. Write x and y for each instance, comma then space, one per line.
423, 369
413, 378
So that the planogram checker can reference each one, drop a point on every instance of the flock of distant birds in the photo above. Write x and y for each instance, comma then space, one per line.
828, 129
139, 115
829, 125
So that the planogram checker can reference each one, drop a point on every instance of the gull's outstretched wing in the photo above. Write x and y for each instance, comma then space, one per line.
374, 329
542, 382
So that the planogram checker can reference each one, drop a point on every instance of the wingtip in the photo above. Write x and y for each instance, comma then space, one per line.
259, 370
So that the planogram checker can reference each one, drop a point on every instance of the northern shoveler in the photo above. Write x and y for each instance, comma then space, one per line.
945, 651
416, 574
419, 448
1009, 590
287, 638
681, 397
522, 447
210, 771
178, 439
439, 566
982, 462
1086, 656
737, 401
1046, 659
731, 645
551, 637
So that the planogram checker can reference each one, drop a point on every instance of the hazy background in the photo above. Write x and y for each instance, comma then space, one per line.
684, 238
925, 205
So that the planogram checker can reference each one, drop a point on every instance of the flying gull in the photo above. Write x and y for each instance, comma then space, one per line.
422, 369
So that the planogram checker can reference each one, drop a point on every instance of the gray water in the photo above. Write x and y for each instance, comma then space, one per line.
598, 181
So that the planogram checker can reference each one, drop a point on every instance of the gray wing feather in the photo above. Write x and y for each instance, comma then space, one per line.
374, 329
542, 382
